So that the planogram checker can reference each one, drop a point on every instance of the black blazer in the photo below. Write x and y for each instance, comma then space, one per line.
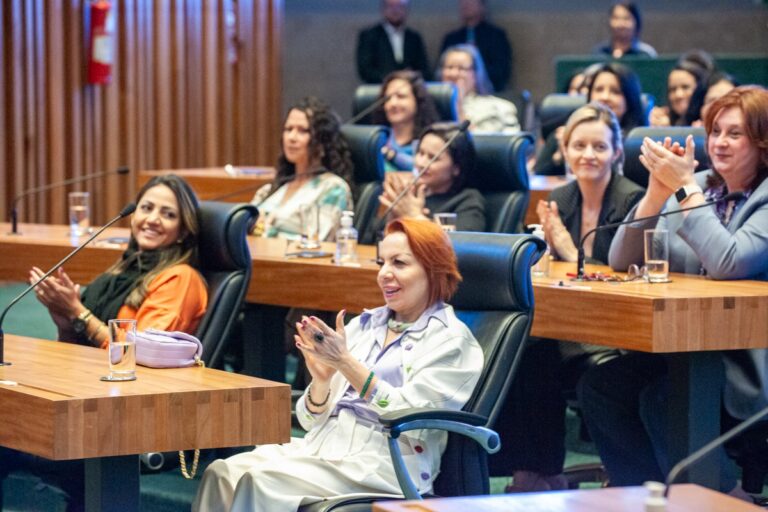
375, 58
620, 197
494, 47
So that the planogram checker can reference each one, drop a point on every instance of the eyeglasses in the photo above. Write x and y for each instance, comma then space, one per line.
633, 274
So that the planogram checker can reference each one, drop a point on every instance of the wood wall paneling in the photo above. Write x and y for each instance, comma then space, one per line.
195, 83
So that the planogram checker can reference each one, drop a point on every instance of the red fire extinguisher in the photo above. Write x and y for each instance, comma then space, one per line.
100, 53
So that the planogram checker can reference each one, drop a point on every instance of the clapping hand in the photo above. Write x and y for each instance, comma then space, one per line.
670, 164
324, 348
555, 232
411, 204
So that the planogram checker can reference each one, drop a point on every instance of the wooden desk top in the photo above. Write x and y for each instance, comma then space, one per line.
211, 183
682, 498
689, 314
59, 408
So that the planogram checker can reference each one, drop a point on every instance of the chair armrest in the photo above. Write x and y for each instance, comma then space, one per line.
459, 422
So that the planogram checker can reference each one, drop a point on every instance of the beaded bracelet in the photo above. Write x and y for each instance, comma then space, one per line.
312, 402
366, 385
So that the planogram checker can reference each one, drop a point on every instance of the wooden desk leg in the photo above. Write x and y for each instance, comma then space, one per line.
263, 336
696, 382
112, 484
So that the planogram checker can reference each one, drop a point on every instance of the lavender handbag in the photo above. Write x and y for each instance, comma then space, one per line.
164, 349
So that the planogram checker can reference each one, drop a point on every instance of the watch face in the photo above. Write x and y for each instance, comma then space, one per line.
78, 325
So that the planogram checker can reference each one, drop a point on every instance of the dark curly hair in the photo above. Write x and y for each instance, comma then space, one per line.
426, 112
326, 142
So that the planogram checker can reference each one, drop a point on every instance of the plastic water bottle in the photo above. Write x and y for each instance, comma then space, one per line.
346, 241
541, 267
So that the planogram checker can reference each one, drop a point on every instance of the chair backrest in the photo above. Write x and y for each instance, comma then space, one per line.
495, 299
444, 94
225, 263
635, 171
501, 175
365, 143
555, 109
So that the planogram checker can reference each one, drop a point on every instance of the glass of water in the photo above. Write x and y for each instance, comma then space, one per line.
122, 350
657, 255
79, 213
447, 221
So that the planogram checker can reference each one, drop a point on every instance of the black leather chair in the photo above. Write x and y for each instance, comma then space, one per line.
365, 143
444, 94
555, 109
635, 171
495, 300
501, 175
225, 263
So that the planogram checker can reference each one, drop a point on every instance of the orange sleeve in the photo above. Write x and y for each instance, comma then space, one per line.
176, 301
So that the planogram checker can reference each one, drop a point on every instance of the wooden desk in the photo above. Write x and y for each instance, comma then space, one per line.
214, 182
541, 186
682, 498
60, 410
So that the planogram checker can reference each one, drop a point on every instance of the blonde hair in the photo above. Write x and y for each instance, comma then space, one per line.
597, 112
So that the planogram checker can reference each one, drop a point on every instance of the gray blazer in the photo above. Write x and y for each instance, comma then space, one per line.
736, 251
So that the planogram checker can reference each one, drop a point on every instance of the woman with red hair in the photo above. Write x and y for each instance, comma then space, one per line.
412, 352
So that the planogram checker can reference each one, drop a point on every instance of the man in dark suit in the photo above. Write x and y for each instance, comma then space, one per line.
489, 39
389, 45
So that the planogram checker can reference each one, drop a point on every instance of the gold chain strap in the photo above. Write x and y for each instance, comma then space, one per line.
183, 464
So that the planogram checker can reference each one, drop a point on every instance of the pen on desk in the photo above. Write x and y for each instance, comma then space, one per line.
563, 284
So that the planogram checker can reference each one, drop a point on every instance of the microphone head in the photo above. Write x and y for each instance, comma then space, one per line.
128, 209
123, 169
733, 196
464, 125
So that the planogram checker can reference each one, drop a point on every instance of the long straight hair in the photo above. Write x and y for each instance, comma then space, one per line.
184, 250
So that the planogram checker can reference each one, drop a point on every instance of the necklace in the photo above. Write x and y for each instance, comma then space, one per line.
398, 327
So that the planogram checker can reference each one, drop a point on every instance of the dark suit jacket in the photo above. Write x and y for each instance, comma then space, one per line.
493, 45
620, 197
375, 58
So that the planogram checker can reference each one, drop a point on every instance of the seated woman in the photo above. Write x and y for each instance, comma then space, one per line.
360, 371
441, 189
682, 107
532, 423
717, 85
625, 24
407, 111
726, 241
314, 167
155, 282
462, 65
613, 85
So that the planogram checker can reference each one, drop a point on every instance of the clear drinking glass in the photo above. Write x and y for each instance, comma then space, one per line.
657, 255
79, 213
122, 350
310, 226
447, 221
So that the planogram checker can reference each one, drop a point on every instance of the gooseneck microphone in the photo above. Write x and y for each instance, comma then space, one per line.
14, 213
733, 196
127, 210
461, 128
708, 448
